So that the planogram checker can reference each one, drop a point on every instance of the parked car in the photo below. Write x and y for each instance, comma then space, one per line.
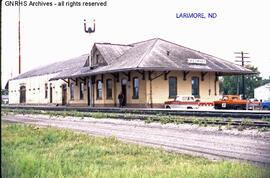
184, 102
4, 99
235, 102
265, 105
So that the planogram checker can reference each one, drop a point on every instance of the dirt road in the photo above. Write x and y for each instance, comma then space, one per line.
190, 139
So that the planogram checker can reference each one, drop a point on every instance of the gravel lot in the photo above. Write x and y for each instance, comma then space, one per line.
247, 145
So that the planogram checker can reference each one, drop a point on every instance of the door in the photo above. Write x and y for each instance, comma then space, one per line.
88, 93
64, 94
124, 91
51, 95
22, 94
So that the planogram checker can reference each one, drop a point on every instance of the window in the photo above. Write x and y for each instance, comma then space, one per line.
46, 90
109, 88
135, 88
81, 90
195, 87
72, 91
97, 58
99, 89
172, 87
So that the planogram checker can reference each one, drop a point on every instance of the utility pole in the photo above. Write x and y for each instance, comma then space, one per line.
243, 61
19, 36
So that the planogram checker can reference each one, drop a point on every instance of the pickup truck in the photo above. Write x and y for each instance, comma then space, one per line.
265, 105
235, 102
187, 102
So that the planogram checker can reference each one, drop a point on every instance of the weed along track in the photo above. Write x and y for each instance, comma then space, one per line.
151, 116
211, 142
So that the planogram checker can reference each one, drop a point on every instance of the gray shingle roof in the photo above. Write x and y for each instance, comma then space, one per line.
68, 66
111, 51
156, 54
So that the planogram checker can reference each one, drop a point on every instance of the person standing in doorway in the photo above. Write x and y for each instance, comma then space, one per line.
121, 99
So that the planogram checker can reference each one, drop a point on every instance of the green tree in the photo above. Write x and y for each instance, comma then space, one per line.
4, 92
233, 84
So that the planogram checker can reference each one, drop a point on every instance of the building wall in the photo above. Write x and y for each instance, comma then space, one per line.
116, 90
262, 92
160, 87
35, 90
76, 100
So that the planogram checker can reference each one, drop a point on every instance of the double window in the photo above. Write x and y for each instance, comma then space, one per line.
99, 89
172, 87
195, 87
135, 88
109, 89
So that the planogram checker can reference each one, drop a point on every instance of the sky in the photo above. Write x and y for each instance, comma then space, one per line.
52, 33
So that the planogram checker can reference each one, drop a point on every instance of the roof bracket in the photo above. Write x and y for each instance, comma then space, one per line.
116, 76
102, 77
64, 80
185, 75
216, 77
156, 76
72, 79
93, 79
165, 74
150, 75
127, 74
142, 73
83, 79
202, 75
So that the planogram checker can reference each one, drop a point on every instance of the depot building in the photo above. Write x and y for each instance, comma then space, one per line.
147, 73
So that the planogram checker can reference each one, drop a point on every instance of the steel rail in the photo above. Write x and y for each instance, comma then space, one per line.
251, 114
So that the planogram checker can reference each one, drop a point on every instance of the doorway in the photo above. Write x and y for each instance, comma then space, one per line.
124, 91
51, 95
64, 94
88, 92
22, 94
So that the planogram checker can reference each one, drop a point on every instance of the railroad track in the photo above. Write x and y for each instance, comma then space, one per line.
258, 114
229, 118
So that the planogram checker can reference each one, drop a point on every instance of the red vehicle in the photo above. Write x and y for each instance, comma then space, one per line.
235, 102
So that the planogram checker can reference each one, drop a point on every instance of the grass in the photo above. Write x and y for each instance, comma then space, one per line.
30, 151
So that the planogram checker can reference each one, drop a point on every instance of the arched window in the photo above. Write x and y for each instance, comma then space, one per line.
135, 88
99, 89
109, 88
195, 83
81, 90
172, 87
72, 91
